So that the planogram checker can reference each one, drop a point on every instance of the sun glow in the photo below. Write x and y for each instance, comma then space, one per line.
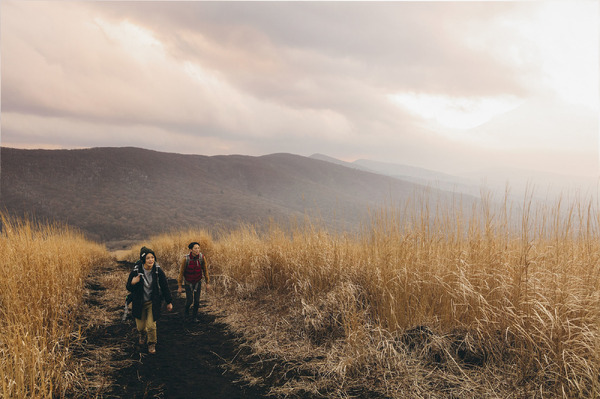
454, 112
138, 42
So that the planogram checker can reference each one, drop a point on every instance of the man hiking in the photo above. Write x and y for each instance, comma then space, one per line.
193, 267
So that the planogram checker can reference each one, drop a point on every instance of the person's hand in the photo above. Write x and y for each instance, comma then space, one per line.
170, 307
135, 280
180, 290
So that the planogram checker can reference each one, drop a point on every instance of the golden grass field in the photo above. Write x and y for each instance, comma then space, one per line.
502, 301
43, 272
497, 302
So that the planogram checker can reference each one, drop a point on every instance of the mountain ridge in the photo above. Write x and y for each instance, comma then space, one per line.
127, 193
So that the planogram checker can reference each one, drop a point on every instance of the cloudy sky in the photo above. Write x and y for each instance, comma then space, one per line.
449, 86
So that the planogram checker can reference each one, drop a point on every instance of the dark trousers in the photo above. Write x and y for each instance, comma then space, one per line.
192, 293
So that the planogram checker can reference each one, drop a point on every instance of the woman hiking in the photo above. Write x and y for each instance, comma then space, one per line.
193, 268
148, 284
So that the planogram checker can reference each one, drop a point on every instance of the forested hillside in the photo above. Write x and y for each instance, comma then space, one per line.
115, 194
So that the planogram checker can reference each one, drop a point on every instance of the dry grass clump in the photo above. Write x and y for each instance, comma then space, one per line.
43, 269
425, 302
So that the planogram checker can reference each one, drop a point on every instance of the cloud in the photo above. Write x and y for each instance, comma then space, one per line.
406, 45
261, 77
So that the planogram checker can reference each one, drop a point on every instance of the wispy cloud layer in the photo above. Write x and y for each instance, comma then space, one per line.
444, 85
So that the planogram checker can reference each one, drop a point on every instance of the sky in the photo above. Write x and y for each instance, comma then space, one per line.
449, 86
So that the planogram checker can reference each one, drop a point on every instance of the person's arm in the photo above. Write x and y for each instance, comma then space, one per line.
132, 281
164, 286
205, 269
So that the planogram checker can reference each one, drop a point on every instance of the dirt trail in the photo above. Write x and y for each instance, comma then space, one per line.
189, 359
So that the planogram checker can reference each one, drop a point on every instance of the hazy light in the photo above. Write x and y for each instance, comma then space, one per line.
138, 42
574, 69
454, 112
566, 36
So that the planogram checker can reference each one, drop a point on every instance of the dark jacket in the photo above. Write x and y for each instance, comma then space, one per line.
137, 291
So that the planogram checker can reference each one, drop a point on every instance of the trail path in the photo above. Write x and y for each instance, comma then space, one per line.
189, 358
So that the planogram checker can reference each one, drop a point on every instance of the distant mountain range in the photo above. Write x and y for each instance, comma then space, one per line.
543, 186
411, 174
118, 195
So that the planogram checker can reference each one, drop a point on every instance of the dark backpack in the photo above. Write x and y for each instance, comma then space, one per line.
202, 263
202, 259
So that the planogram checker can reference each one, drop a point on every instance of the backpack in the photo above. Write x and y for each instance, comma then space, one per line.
202, 263
128, 300
187, 259
129, 296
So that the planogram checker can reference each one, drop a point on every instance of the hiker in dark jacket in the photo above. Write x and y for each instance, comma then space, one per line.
193, 268
148, 284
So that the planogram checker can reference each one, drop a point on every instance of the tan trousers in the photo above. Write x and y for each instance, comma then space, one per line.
147, 323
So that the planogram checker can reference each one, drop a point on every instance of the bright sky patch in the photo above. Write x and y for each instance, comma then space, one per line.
454, 112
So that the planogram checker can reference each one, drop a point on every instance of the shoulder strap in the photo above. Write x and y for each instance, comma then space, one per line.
157, 267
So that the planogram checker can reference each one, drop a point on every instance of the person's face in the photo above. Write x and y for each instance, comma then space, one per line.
196, 250
149, 260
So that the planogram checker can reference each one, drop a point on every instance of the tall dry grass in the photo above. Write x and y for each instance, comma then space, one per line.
503, 300
43, 269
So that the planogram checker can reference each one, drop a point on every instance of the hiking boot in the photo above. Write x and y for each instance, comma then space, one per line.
152, 349
142, 338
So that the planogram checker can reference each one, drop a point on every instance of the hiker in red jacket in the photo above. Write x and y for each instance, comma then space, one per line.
193, 267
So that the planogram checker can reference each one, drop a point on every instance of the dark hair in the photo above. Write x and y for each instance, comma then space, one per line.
192, 244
